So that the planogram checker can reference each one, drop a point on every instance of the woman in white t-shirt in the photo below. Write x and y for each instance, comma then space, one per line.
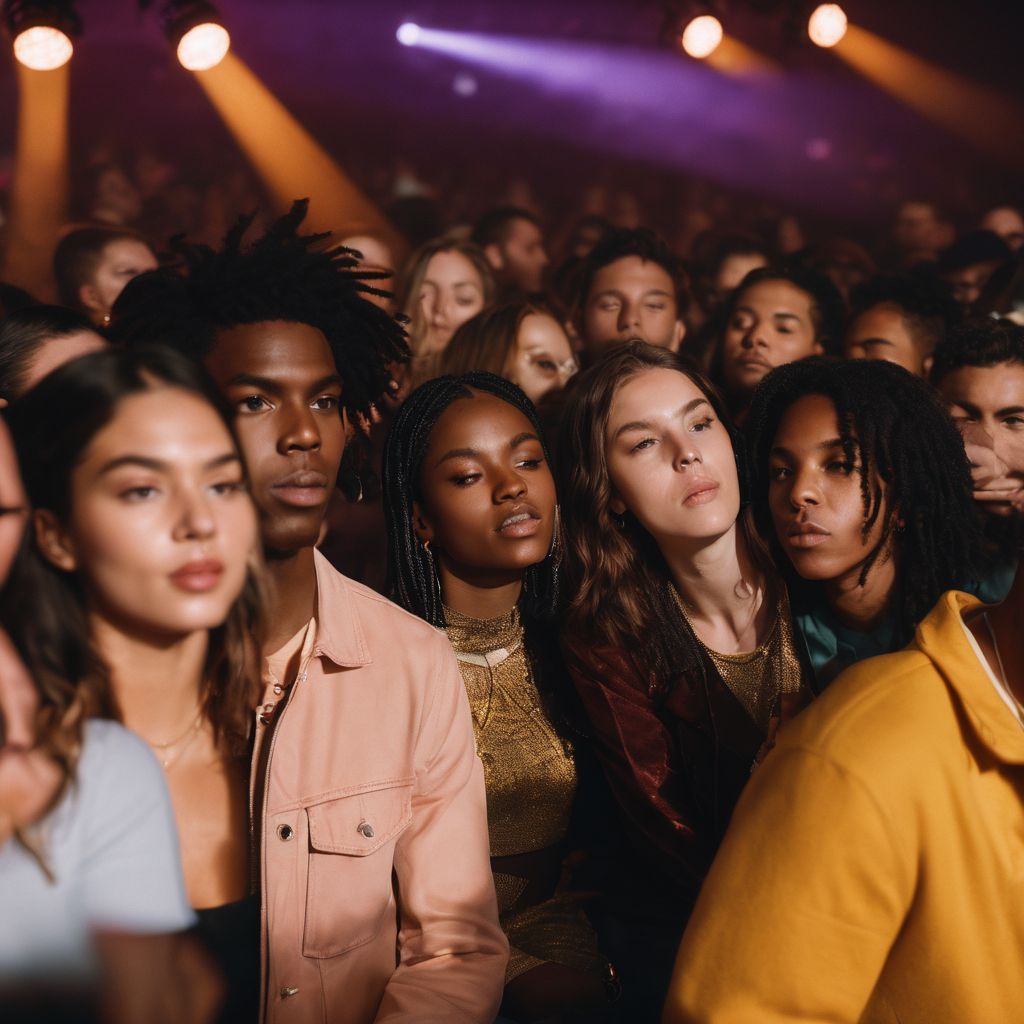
133, 599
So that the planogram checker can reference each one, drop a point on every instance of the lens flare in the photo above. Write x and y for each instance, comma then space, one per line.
408, 33
702, 36
43, 48
827, 25
203, 47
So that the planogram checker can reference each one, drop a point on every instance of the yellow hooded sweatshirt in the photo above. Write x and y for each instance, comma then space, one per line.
874, 867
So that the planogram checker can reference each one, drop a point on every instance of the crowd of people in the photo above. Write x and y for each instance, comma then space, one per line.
504, 629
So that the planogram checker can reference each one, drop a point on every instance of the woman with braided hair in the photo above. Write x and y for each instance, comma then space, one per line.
862, 482
474, 548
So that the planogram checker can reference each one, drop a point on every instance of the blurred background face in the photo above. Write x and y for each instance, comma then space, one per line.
1008, 224
122, 259
452, 293
161, 527
632, 299
524, 256
488, 497
814, 494
771, 325
733, 270
542, 360
882, 332
375, 256
671, 460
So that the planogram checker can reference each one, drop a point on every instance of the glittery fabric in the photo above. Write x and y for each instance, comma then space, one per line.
758, 678
530, 776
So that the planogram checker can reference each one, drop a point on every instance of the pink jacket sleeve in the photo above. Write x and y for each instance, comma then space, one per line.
452, 951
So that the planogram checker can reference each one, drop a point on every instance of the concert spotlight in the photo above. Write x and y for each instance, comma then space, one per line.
196, 30
827, 25
702, 36
408, 33
42, 31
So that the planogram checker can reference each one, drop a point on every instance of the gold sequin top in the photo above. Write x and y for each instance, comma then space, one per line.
759, 677
529, 773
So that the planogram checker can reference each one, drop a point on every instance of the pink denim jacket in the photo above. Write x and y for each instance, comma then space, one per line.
378, 899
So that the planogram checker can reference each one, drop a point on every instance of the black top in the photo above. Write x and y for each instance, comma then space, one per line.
231, 935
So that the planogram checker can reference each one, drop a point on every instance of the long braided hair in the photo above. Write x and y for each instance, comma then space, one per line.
284, 275
912, 466
411, 578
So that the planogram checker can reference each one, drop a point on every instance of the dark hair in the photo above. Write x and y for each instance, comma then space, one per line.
911, 458
22, 334
13, 298
617, 244
281, 276
410, 576
925, 302
495, 226
828, 311
44, 607
616, 579
77, 256
979, 343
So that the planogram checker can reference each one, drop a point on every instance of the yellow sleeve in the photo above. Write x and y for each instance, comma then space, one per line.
801, 905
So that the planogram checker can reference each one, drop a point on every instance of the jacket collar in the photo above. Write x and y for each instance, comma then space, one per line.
941, 638
339, 633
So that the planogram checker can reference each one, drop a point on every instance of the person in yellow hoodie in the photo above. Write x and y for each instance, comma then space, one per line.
874, 868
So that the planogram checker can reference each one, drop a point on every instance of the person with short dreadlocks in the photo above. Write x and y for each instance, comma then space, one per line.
369, 817
862, 483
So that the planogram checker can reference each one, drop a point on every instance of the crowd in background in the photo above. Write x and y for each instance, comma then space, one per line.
703, 692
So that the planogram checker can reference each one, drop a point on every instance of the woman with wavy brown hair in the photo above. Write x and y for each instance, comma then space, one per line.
133, 599
677, 634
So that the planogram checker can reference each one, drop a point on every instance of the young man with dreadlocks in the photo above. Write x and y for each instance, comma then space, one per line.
369, 818
871, 872
862, 483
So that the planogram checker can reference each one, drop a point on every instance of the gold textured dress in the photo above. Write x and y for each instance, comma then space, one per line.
530, 776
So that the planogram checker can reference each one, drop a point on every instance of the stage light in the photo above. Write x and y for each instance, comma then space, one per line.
408, 33
702, 36
195, 29
204, 46
827, 25
42, 31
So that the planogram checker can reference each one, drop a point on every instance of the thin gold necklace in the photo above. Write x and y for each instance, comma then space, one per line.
189, 734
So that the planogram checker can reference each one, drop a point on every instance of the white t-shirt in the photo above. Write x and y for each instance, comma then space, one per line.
112, 845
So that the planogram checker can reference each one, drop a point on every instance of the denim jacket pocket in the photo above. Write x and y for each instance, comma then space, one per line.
349, 890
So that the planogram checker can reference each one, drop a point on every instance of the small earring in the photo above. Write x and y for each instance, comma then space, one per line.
106, 319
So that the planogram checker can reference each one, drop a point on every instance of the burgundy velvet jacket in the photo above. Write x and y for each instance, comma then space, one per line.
675, 764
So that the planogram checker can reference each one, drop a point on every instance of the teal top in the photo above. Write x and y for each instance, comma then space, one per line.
832, 647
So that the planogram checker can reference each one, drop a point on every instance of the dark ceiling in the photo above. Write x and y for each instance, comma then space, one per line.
567, 90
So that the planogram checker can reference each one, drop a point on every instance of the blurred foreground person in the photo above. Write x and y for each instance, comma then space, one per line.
369, 817
872, 869
37, 340
474, 548
90, 875
678, 637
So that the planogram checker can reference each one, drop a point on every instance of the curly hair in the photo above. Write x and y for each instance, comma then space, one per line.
284, 275
912, 465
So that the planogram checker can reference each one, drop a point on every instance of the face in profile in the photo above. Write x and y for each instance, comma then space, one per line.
161, 528
452, 293
991, 399
814, 494
120, 261
523, 257
542, 360
670, 460
772, 324
487, 497
632, 299
883, 332
281, 381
